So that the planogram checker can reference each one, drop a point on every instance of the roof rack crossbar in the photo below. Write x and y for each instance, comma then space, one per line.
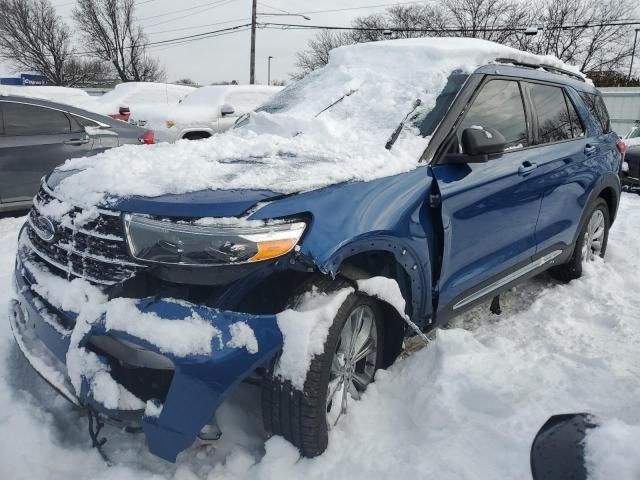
551, 68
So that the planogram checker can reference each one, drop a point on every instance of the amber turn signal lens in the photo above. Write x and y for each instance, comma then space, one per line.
273, 249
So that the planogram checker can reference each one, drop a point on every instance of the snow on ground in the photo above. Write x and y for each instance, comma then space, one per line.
467, 406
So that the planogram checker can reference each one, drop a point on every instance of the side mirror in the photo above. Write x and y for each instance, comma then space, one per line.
557, 452
124, 111
227, 109
482, 141
478, 143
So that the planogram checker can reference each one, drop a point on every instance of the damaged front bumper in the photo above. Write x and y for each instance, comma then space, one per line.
195, 384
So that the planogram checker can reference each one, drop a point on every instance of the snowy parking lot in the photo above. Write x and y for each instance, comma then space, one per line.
466, 406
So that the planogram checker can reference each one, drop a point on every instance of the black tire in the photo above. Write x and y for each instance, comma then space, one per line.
301, 416
573, 268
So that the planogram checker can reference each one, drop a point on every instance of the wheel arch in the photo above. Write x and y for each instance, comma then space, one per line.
384, 257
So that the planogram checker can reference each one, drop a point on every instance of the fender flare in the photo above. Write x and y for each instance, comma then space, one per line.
418, 271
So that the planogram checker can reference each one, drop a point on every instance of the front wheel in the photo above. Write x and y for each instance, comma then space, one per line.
591, 243
336, 378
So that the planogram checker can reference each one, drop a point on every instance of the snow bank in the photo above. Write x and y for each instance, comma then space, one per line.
305, 331
465, 407
287, 147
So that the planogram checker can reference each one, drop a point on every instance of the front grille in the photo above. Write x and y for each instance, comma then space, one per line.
94, 250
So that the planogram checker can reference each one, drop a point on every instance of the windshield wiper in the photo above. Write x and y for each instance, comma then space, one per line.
398, 130
348, 94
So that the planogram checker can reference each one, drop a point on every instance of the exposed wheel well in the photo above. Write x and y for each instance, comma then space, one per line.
609, 195
381, 263
196, 135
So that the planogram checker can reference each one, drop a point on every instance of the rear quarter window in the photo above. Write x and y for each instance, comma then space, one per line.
598, 110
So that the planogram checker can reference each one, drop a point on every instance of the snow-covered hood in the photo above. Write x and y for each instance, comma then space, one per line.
289, 146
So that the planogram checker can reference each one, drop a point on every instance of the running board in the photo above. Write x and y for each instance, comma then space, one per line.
508, 279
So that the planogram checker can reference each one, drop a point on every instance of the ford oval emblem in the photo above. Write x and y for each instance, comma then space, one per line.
44, 228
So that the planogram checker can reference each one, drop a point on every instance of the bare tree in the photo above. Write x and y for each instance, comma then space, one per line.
33, 37
109, 28
567, 35
569, 32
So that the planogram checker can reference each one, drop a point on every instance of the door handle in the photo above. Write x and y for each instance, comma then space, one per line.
589, 150
77, 141
527, 167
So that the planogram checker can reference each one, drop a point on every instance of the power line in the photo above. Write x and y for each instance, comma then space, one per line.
168, 41
201, 7
293, 26
152, 32
202, 10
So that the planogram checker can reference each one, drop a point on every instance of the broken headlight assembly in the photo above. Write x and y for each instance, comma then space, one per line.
210, 243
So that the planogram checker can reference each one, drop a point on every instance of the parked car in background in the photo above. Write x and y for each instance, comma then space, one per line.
400, 185
204, 112
128, 97
630, 171
76, 97
37, 135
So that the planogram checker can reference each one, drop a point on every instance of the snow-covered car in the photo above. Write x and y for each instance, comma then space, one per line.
128, 97
204, 112
70, 96
400, 185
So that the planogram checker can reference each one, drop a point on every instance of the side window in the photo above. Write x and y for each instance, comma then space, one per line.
598, 110
576, 123
84, 122
554, 122
21, 119
499, 105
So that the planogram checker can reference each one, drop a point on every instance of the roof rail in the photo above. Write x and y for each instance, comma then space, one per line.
550, 68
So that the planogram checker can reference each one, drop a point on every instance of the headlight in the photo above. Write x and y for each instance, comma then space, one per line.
216, 244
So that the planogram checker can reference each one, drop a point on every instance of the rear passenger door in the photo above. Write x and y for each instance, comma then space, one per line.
490, 209
562, 150
34, 141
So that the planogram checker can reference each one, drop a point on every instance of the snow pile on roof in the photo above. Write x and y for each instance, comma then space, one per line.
288, 147
305, 331
70, 96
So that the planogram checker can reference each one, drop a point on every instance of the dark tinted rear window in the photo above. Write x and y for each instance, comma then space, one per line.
21, 119
596, 106
554, 123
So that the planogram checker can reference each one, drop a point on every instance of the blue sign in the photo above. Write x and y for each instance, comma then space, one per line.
33, 80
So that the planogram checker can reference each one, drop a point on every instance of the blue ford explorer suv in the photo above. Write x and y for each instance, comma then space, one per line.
401, 184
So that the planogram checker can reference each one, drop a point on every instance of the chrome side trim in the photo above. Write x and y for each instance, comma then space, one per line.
508, 279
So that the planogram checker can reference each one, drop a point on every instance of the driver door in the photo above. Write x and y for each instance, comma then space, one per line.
489, 209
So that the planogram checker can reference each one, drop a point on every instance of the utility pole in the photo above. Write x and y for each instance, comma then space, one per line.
635, 40
252, 67
269, 70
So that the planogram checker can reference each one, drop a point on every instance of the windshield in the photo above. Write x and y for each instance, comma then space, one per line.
350, 104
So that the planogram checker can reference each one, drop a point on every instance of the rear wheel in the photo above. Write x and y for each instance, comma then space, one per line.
336, 378
591, 243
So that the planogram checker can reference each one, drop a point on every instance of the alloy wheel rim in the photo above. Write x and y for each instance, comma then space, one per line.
353, 363
593, 237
